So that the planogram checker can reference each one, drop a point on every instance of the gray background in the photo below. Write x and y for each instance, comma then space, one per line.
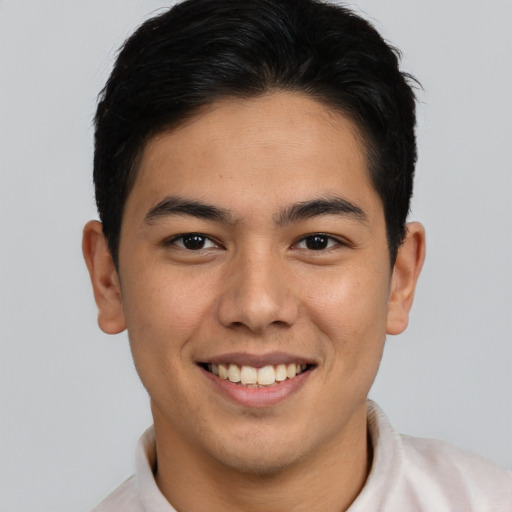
71, 404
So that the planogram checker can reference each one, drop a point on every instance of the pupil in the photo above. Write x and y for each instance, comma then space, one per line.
316, 242
193, 241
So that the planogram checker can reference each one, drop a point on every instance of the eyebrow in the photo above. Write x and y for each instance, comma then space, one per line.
324, 206
180, 206
176, 205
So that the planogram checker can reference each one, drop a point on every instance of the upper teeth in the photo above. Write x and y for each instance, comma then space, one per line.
263, 376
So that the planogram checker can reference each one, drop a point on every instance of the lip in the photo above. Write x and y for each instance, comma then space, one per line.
260, 397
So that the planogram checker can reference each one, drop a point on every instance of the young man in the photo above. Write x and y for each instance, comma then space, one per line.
253, 168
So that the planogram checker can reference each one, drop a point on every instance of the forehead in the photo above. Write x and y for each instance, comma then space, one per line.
281, 147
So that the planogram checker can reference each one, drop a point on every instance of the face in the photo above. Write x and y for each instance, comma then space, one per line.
255, 281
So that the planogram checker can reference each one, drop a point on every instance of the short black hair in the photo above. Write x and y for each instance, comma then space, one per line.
200, 51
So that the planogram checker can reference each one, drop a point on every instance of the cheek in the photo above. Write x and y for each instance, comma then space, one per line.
351, 311
164, 312
161, 299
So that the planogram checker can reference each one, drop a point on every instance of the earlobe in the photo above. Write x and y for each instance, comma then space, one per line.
406, 271
104, 279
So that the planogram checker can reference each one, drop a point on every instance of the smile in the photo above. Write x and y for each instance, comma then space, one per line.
250, 376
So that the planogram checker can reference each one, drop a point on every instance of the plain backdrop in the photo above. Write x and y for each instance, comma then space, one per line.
72, 407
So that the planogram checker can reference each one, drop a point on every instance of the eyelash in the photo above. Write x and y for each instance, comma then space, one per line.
330, 241
205, 239
321, 239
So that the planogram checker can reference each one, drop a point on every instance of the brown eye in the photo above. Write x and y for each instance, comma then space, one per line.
193, 241
317, 242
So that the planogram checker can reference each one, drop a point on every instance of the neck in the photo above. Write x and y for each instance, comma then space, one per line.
327, 480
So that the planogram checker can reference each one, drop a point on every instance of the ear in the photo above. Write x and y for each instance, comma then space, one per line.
104, 279
406, 271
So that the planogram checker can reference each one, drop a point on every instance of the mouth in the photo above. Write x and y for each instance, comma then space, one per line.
256, 377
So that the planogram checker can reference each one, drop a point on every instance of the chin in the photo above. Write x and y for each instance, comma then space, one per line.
263, 462
261, 452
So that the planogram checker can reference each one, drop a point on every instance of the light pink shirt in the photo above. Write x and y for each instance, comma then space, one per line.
407, 475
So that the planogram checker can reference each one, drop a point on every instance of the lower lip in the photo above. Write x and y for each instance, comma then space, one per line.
258, 397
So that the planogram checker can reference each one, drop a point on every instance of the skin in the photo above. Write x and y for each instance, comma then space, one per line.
256, 287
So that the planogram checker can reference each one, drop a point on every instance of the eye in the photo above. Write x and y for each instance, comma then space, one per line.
317, 242
193, 242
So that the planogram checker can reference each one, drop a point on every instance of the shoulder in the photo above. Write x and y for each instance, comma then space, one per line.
125, 498
418, 475
466, 480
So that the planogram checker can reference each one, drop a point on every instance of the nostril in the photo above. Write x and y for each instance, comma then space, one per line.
280, 323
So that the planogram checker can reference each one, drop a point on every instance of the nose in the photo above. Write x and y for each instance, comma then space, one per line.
257, 295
